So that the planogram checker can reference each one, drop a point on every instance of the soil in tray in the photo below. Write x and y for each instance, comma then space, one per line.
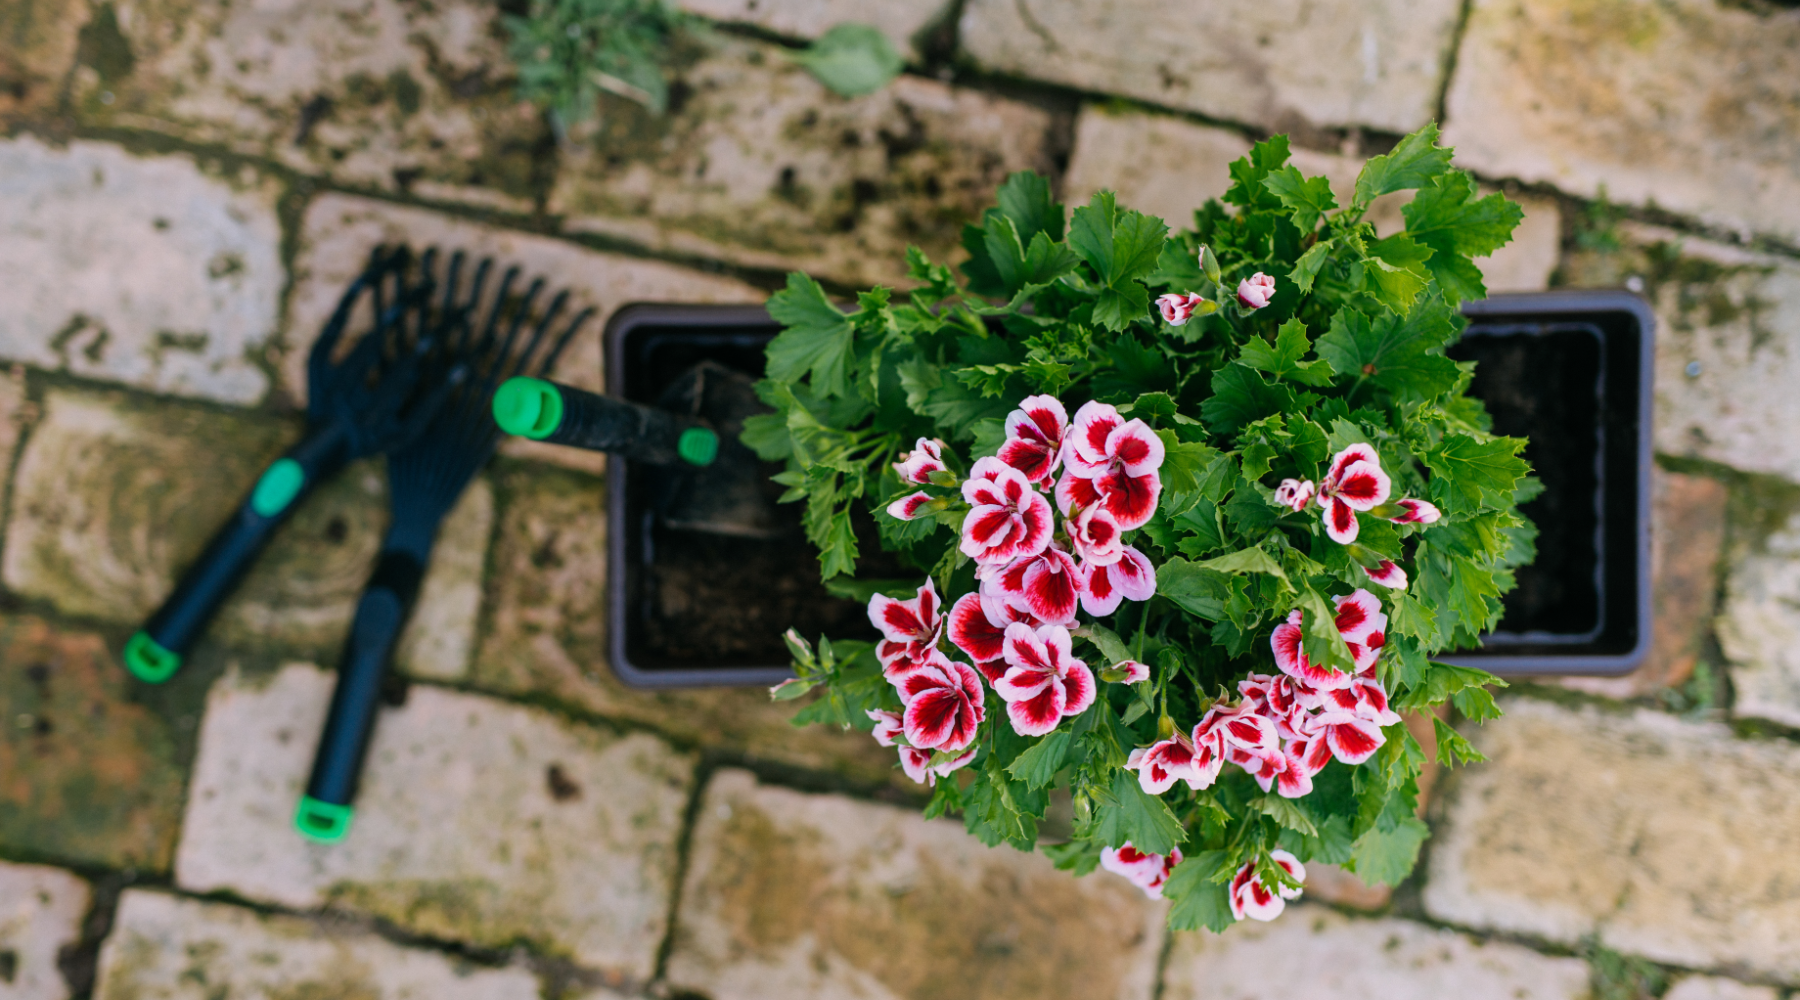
1546, 387
711, 600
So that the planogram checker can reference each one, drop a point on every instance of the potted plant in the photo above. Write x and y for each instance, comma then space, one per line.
1187, 518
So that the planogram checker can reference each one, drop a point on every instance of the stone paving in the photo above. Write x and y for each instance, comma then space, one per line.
186, 185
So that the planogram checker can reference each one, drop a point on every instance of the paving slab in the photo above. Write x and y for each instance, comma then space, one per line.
478, 821
1169, 166
338, 231
383, 94
1652, 835
1311, 951
1715, 988
902, 21
1276, 66
170, 948
545, 637
150, 271
790, 894
41, 910
37, 49
1687, 541
1759, 624
763, 167
88, 774
1691, 106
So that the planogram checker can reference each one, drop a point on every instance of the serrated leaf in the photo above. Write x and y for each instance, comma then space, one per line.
1038, 765
1476, 704
1250, 560
1447, 217
1137, 816
1250, 170
1453, 749
1319, 635
1196, 900
1025, 198
1387, 857
1193, 588
1111, 646
1282, 359
1241, 396
1396, 272
1307, 198
1119, 307
816, 341
1395, 352
1118, 245
1288, 813
1412, 163
1306, 269
852, 60
1473, 473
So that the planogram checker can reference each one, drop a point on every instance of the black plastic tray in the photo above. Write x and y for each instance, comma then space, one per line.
1572, 372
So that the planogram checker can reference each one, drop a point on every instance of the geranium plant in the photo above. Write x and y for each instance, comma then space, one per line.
1191, 513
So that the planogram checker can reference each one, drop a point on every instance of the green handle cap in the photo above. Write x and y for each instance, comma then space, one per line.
528, 407
323, 822
148, 661
697, 446
278, 487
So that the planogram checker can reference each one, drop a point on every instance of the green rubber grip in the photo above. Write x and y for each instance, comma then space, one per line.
697, 446
278, 487
528, 407
148, 661
323, 822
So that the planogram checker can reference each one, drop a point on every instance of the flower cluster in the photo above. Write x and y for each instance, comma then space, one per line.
1354, 483
1287, 727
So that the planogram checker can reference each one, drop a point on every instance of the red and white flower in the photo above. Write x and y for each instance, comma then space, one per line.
1178, 758
915, 762
1255, 291
910, 630
1178, 307
1250, 898
1355, 482
1347, 735
1044, 682
907, 507
1366, 699
1145, 870
1283, 700
1112, 462
1363, 625
1292, 659
1387, 575
1095, 536
1279, 769
1034, 437
1103, 587
1239, 728
916, 466
1046, 586
944, 704
1131, 672
978, 628
1295, 494
1007, 518
1417, 512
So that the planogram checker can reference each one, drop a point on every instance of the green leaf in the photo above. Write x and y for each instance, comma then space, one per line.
1025, 198
1416, 160
1196, 590
1249, 171
816, 340
1452, 748
1395, 352
1447, 217
1308, 198
1241, 396
852, 60
1307, 268
1197, 901
1037, 766
1476, 703
1324, 644
1250, 560
1282, 360
1473, 473
1135, 815
1184, 462
1288, 813
767, 435
1119, 246
1119, 307
1110, 645
1396, 273
1386, 857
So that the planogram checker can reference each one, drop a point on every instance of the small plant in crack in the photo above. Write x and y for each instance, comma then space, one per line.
569, 51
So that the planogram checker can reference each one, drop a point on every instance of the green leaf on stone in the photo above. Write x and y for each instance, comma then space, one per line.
1415, 161
1308, 198
852, 60
816, 340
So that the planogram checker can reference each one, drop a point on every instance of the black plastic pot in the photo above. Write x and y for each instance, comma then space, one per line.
689, 609
1571, 371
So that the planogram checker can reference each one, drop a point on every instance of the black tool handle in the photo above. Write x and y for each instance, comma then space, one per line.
380, 615
561, 414
156, 651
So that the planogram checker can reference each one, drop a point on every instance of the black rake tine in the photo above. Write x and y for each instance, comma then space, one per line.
476, 287
556, 349
516, 363
318, 361
518, 321
485, 339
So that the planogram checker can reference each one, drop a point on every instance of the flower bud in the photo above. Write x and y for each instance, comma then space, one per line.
1255, 291
1209, 263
